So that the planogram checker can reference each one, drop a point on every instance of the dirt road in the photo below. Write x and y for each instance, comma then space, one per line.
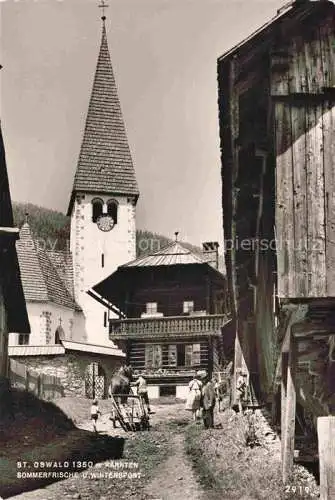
171, 477
179, 460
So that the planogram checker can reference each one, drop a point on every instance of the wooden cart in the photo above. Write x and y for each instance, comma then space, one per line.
130, 412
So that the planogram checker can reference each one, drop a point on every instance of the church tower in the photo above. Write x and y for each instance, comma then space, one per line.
103, 198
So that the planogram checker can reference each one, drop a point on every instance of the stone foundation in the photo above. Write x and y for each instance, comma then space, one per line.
70, 368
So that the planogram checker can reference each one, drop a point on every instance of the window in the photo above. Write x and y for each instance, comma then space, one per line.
97, 208
153, 356
102, 260
196, 355
105, 318
151, 307
112, 207
23, 338
188, 355
172, 355
188, 306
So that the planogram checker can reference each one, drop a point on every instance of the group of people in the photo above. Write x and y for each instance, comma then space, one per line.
201, 398
203, 393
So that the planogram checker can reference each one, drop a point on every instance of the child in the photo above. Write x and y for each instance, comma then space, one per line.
94, 414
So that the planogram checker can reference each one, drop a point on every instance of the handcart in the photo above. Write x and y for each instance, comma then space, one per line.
130, 412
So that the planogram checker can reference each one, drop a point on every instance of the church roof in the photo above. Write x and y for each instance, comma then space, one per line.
105, 164
62, 261
40, 279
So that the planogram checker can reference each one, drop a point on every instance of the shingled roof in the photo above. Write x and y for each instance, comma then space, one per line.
40, 279
105, 164
174, 253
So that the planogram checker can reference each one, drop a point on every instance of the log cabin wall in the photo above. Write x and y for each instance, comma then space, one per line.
248, 205
137, 356
170, 288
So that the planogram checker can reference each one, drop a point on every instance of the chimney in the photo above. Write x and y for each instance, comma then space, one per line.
210, 250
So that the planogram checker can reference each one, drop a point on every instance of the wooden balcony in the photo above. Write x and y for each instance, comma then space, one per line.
169, 326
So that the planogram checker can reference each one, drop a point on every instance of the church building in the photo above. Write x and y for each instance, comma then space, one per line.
63, 315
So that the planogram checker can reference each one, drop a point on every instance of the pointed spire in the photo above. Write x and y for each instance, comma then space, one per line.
105, 164
103, 6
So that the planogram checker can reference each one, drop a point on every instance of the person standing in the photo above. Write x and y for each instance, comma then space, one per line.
194, 397
142, 391
208, 403
95, 412
241, 387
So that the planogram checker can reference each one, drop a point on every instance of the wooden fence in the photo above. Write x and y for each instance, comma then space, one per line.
42, 385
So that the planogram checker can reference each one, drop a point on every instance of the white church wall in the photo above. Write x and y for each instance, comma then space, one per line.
97, 254
44, 320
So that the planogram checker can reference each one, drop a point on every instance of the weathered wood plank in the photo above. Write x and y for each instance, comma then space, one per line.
297, 66
328, 122
313, 64
327, 47
284, 204
290, 412
326, 445
315, 203
298, 121
279, 84
234, 132
283, 382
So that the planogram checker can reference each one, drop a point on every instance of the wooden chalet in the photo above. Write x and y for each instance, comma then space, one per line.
172, 309
277, 128
13, 313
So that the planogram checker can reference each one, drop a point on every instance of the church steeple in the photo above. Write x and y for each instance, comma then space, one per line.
105, 163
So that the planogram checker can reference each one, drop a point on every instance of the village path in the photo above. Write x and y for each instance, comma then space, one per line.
173, 479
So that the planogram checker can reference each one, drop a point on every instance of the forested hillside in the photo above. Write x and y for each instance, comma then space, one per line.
54, 229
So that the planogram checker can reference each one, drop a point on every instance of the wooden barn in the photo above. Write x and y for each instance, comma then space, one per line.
277, 130
172, 309
13, 312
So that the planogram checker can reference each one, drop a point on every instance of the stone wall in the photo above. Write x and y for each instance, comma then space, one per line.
70, 368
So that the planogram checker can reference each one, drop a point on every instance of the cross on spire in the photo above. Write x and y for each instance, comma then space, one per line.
103, 6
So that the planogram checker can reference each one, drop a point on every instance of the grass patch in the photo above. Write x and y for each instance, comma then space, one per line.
207, 475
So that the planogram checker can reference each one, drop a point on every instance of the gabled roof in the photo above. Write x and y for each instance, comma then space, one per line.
113, 289
297, 10
17, 317
172, 254
105, 164
40, 279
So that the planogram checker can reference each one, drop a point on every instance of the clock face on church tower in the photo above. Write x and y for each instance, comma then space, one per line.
105, 223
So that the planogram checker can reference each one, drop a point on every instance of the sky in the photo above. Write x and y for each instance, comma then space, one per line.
164, 55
